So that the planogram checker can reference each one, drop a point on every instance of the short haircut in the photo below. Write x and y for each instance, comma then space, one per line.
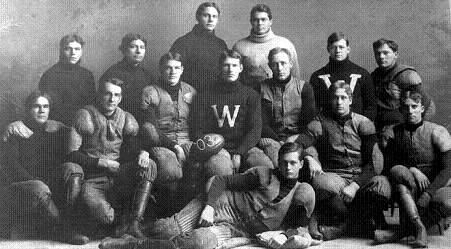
336, 36
277, 50
340, 84
391, 44
33, 96
129, 38
114, 81
414, 94
261, 8
205, 5
169, 57
231, 54
292, 147
70, 38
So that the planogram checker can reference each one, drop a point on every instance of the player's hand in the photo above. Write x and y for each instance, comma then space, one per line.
143, 159
110, 165
348, 193
181, 157
17, 128
236, 162
314, 166
206, 218
277, 241
423, 201
420, 178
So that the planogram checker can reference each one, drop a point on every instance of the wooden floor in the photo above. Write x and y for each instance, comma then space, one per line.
435, 241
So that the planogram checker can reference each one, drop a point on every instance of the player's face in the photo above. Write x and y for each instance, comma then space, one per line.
290, 165
40, 110
261, 24
281, 66
72, 52
341, 102
412, 111
339, 50
231, 69
111, 97
135, 51
208, 19
172, 71
385, 57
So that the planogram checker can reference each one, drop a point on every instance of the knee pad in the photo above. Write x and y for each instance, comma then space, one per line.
168, 167
218, 165
304, 195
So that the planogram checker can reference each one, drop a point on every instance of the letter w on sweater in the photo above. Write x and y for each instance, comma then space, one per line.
226, 113
354, 78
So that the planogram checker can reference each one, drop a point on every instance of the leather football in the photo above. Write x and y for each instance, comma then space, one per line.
206, 146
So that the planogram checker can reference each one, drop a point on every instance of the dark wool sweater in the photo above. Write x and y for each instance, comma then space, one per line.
232, 110
135, 79
70, 86
39, 156
364, 98
200, 52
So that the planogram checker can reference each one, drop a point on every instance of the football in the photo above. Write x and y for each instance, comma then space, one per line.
206, 146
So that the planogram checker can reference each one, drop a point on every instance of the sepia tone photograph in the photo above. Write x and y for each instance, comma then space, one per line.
225, 124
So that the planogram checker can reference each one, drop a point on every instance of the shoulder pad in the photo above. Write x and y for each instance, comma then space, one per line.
83, 122
441, 138
263, 173
150, 96
131, 126
407, 78
53, 126
365, 126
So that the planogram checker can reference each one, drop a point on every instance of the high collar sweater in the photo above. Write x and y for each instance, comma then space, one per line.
363, 95
70, 87
200, 52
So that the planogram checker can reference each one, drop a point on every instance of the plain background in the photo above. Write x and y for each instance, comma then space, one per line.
31, 29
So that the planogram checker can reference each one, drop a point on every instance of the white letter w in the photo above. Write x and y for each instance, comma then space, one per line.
226, 113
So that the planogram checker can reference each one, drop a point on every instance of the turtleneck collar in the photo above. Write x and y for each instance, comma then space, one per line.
386, 70
225, 86
413, 127
172, 90
35, 127
282, 83
338, 65
341, 120
262, 38
125, 64
290, 183
68, 66
199, 31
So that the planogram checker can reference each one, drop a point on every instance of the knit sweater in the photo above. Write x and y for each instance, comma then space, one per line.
232, 110
70, 87
39, 156
364, 100
135, 79
255, 50
200, 52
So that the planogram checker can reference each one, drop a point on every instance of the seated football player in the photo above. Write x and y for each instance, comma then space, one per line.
33, 165
118, 176
351, 186
233, 111
419, 154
